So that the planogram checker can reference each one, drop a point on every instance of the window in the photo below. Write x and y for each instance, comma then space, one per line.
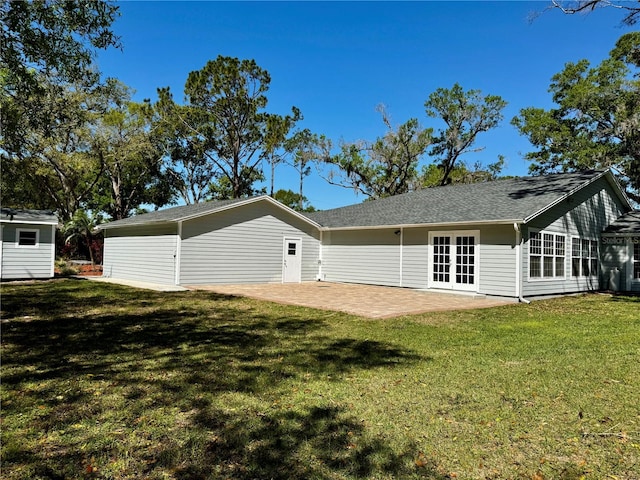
546, 255
27, 238
584, 257
636, 261
291, 249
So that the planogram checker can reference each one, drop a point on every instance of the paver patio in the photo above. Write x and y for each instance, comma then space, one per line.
363, 300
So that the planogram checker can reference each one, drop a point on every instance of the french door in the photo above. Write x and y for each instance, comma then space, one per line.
454, 260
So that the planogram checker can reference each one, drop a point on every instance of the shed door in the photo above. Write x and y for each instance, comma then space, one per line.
454, 260
292, 261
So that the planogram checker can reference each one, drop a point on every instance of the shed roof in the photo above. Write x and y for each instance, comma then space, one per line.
16, 215
508, 200
628, 224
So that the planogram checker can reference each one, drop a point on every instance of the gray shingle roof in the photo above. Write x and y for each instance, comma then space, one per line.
626, 224
28, 216
173, 214
513, 199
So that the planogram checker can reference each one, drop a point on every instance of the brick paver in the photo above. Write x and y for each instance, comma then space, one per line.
363, 300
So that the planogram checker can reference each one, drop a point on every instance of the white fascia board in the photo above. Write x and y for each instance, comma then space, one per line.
429, 225
29, 222
109, 226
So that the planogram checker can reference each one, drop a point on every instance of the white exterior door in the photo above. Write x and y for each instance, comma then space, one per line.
292, 261
454, 260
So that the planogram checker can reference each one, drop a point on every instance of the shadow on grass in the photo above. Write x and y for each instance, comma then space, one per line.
155, 353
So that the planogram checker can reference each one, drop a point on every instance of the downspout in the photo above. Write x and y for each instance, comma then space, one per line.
177, 255
516, 227
320, 247
401, 252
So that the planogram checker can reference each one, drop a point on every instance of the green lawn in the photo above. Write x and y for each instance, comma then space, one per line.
103, 381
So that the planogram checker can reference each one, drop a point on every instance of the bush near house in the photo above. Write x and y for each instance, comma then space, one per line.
103, 381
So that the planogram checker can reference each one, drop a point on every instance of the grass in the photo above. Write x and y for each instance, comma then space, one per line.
102, 381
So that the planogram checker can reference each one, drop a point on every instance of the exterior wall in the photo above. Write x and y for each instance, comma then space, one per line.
244, 245
415, 257
498, 261
27, 262
145, 253
376, 257
362, 256
584, 214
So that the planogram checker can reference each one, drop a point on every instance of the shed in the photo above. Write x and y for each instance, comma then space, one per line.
27, 243
255, 240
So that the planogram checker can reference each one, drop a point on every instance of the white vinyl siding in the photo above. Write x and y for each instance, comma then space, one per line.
585, 215
362, 256
244, 245
145, 253
415, 257
27, 260
498, 261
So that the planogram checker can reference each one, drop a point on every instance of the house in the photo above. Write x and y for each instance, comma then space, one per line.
27, 243
514, 238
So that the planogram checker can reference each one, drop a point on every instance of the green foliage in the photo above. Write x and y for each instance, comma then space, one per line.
223, 131
221, 188
54, 159
431, 175
306, 148
466, 115
130, 157
293, 200
596, 123
385, 167
45, 40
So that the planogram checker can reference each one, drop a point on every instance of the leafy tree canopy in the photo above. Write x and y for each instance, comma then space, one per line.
47, 41
385, 167
293, 200
466, 114
596, 123
223, 129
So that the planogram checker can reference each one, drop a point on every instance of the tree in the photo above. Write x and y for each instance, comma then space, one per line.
466, 114
224, 128
306, 147
631, 9
56, 161
47, 41
80, 227
597, 120
293, 200
131, 161
385, 167
177, 129
431, 175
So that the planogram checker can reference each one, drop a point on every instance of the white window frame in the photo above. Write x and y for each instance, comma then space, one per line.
20, 230
635, 260
542, 256
590, 258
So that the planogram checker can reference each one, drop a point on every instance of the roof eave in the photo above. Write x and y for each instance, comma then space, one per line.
431, 225
223, 208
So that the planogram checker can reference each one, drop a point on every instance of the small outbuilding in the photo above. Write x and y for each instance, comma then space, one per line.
517, 237
27, 243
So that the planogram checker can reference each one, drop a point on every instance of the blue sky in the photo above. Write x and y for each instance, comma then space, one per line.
337, 61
